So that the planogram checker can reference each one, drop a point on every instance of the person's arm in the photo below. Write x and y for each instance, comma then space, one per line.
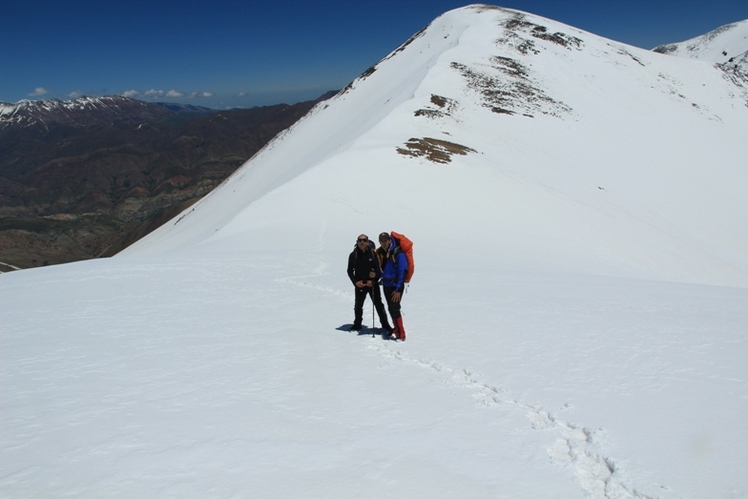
376, 271
402, 268
350, 269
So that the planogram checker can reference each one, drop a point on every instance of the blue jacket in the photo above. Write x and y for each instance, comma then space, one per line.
393, 272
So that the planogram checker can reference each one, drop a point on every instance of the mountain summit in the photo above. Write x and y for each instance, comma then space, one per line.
569, 150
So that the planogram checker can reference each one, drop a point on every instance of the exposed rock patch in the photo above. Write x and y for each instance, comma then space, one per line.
435, 150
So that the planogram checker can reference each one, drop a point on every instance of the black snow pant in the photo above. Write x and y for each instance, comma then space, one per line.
376, 297
393, 307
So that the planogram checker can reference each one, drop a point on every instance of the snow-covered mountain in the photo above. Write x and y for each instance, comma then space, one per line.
83, 111
577, 321
589, 155
725, 46
718, 46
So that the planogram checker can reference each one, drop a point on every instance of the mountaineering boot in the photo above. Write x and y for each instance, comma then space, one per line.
399, 329
358, 318
385, 324
387, 330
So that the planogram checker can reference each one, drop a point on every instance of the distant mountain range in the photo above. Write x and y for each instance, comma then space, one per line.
84, 178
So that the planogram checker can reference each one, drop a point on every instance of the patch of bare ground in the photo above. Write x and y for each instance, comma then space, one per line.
518, 23
444, 107
736, 71
506, 88
435, 150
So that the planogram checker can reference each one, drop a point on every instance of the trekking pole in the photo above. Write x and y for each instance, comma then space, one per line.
372, 314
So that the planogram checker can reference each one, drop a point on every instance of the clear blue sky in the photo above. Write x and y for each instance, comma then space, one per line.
241, 53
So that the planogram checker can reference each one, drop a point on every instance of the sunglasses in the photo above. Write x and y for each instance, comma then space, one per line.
362, 240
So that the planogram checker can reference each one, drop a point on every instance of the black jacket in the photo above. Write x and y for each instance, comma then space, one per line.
360, 263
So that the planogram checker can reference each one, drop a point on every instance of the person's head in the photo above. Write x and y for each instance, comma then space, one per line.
362, 242
384, 240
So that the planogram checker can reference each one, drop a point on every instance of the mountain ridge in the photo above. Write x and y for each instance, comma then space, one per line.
83, 111
725, 46
522, 93
718, 45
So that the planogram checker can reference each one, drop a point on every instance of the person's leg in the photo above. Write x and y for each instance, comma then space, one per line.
376, 296
358, 309
394, 308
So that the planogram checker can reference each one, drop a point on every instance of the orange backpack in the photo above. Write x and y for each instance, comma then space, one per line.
406, 246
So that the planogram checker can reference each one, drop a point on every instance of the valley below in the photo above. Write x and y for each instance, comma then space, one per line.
89, 181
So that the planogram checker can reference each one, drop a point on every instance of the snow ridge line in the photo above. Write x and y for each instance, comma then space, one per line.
575, 448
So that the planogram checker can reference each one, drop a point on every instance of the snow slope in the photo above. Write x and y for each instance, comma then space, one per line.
577, 322
601, 158
725, 46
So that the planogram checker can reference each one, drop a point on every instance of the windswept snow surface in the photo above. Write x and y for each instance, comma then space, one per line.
577, 323
228, 377
218, 377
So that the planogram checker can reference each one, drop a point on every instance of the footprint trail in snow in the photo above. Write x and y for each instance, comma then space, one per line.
575, 446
